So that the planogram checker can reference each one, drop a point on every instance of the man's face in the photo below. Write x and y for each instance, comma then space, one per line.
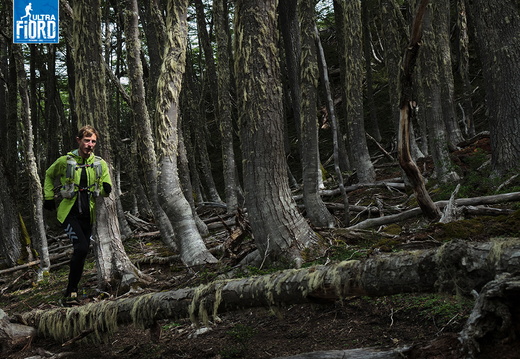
86, 145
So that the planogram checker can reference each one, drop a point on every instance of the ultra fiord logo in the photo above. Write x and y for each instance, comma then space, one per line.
36, 21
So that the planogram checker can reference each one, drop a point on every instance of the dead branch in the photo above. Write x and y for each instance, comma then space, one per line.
33, 263
406, 103
484, 200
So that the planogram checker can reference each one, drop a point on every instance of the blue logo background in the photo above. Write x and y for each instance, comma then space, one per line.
36, 21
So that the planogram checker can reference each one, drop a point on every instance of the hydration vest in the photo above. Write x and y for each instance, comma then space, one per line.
68, 190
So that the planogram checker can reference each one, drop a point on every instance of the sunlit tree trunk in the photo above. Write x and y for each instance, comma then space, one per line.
496, 32
192, 249
315, 209
111, 260
279, 230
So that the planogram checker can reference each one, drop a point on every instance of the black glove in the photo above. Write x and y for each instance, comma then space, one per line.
49, 204
107, 187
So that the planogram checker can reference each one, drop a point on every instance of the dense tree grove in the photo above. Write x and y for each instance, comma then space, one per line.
222, 101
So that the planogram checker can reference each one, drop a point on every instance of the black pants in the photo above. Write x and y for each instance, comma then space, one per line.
79, 230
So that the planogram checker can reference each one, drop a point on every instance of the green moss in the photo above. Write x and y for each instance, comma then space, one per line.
463, 229
393, 229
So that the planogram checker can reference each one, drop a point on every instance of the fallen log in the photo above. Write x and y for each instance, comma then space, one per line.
484, 200
455, 267
351, 354
494, 315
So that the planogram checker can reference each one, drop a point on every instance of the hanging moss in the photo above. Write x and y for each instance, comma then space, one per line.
62, 324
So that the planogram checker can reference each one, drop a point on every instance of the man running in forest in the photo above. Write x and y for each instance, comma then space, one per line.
82, 177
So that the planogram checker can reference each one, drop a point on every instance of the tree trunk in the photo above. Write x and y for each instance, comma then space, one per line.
353, 87
373, 127
334, 127
463, 69
455, 267
315, 209
279, 230
10, 245
496, 32
35, 187
431, 104
404, 154
142, 121
192, 248
224, 105
111, 260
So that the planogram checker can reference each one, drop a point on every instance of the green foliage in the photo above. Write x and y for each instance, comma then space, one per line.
170, 326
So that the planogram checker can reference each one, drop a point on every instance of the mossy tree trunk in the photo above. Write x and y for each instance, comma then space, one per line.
315, 209
279, 230
112, 261
431, 106
224, 106
147, 156
191, 246
354, 67
496, 31
31, 167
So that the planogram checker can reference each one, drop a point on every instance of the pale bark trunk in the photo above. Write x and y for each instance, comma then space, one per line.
142, 121
192, 249
334, 128
35, 187
114, 268
315, 209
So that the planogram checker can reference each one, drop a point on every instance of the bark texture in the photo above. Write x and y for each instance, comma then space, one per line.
315, 209
147, 156
404, 153
353, 87
279, 230
192, 249
496, 32
224, 106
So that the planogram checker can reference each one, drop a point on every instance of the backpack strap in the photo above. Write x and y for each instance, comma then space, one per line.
68, 189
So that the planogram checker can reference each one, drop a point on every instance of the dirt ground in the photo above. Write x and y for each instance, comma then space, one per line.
426, 325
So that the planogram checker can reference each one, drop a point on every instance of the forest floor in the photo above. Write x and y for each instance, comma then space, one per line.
427, 324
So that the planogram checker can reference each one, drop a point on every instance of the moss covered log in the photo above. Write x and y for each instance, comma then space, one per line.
454, 267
